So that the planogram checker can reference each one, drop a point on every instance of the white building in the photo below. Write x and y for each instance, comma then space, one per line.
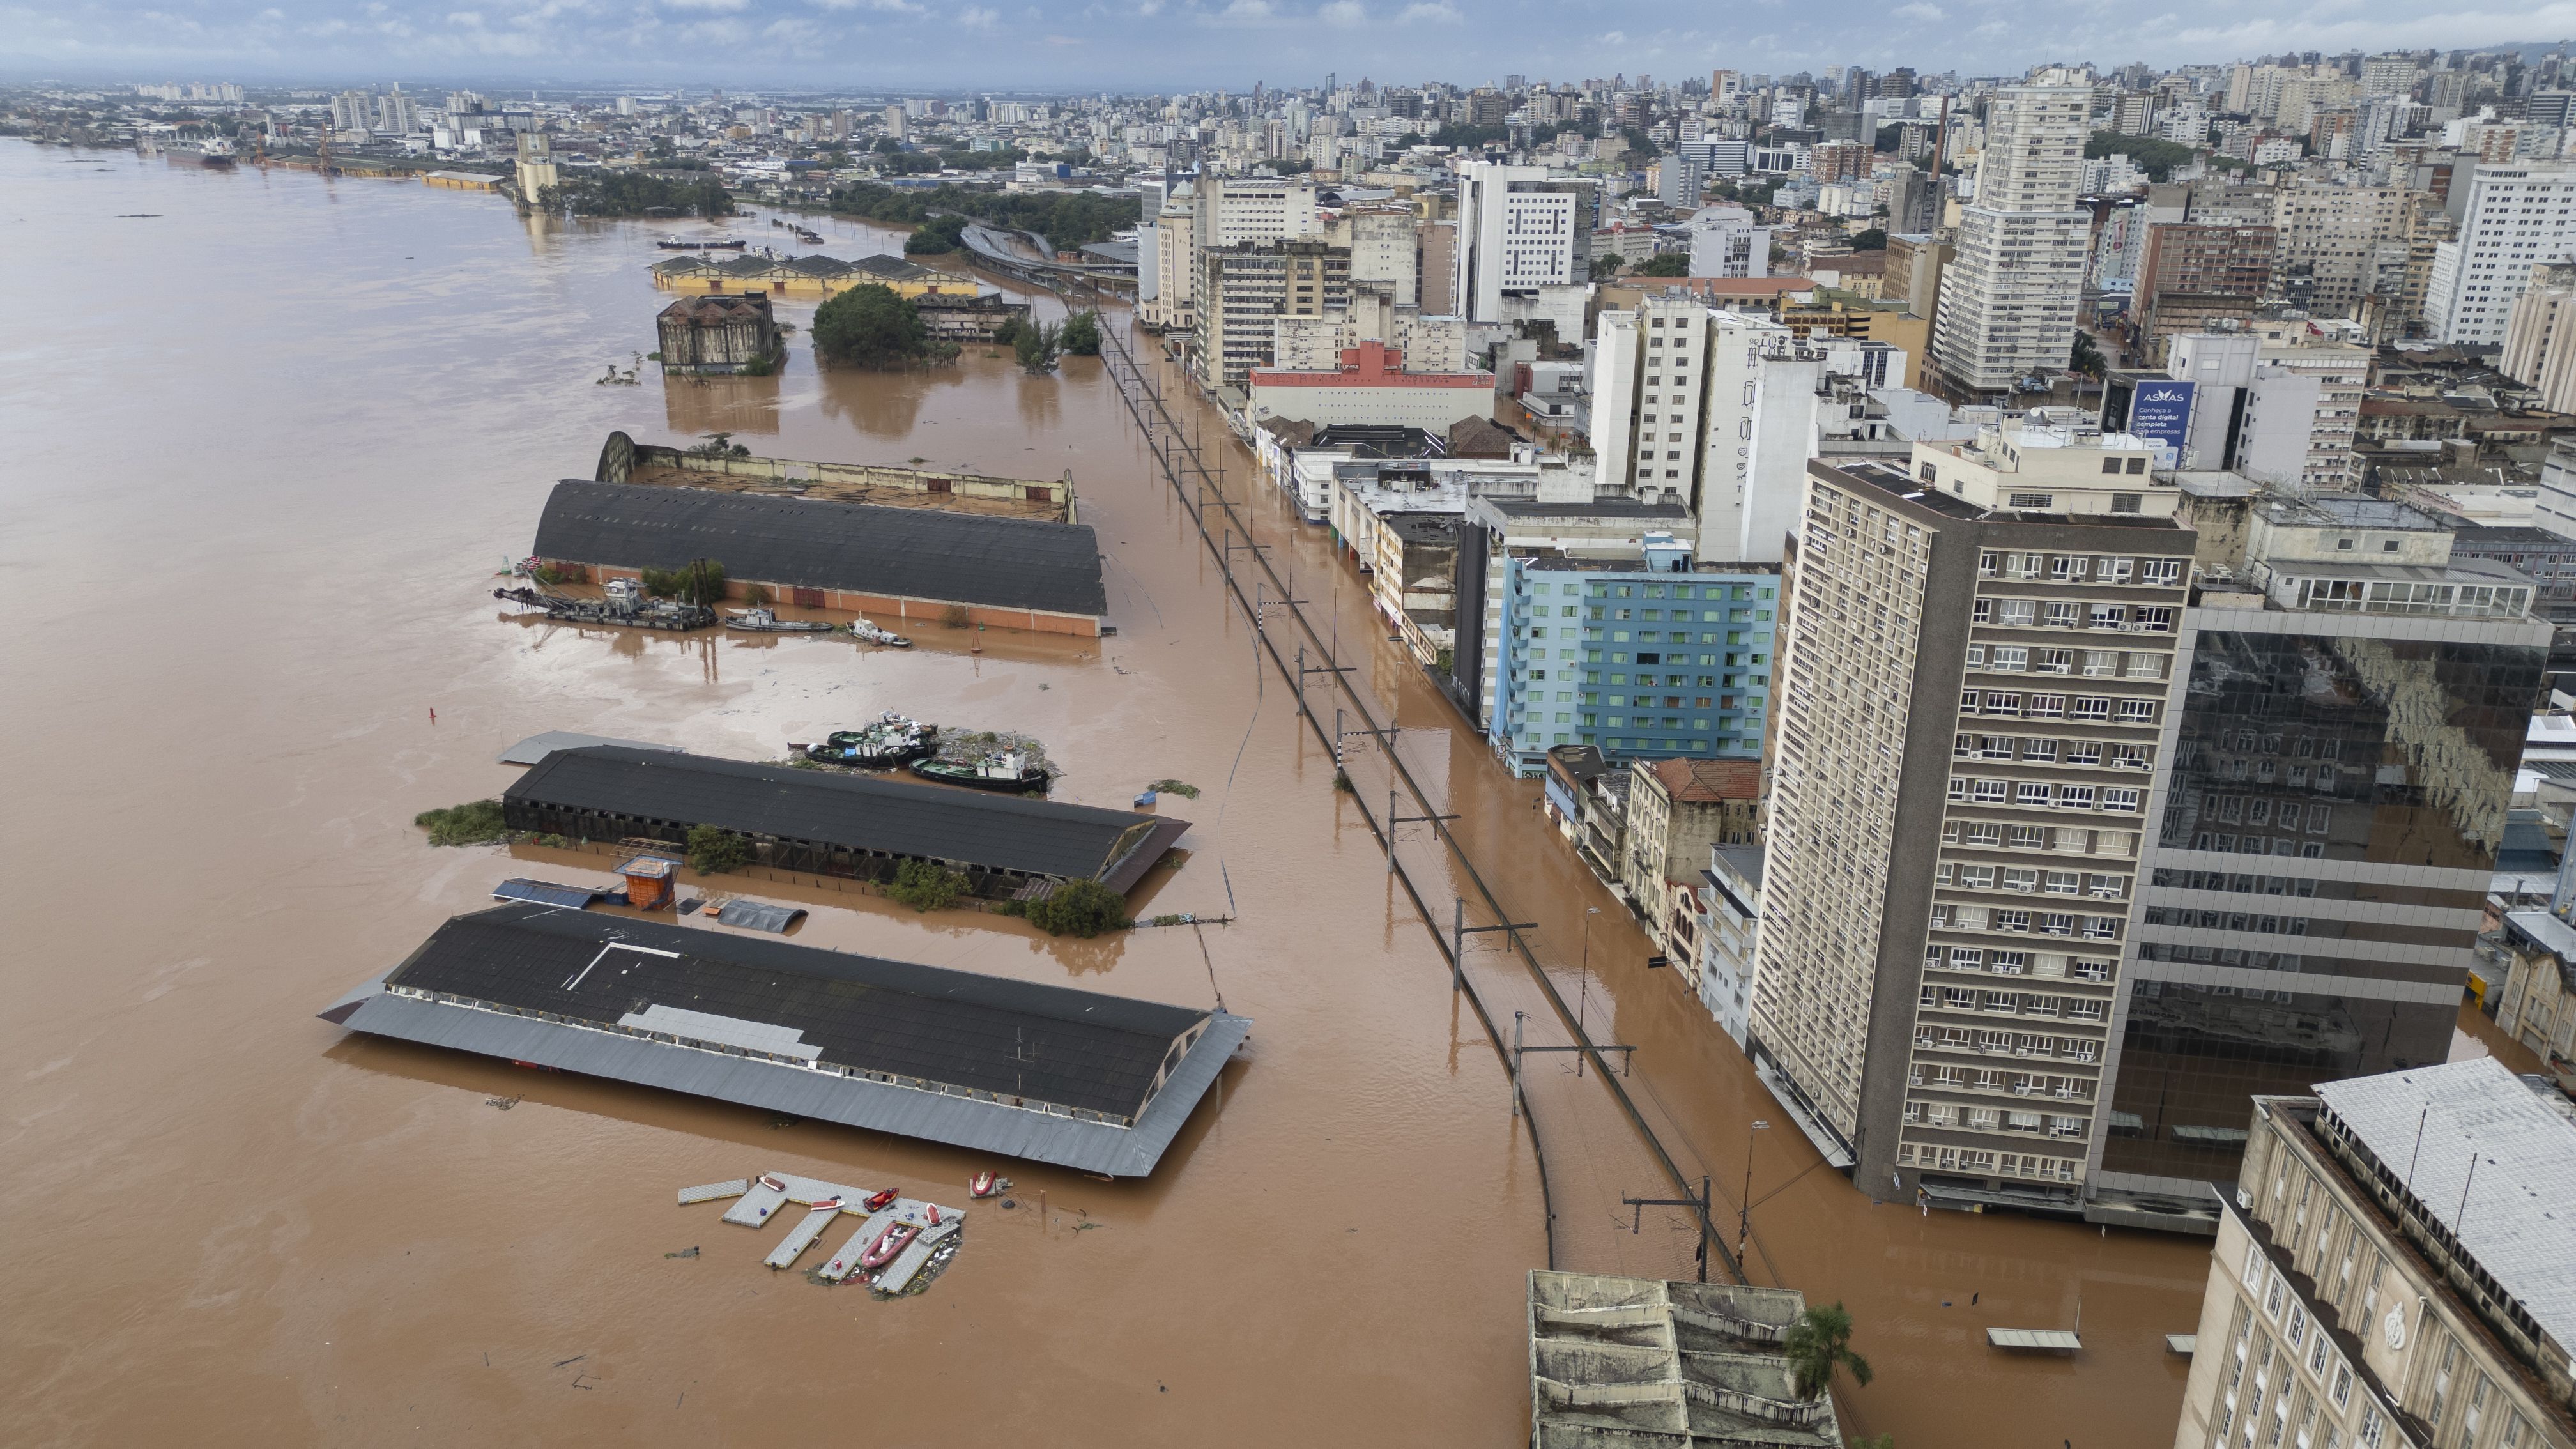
2008, 299
1231, 209
1726, 243
1730, 925
2515, 217
1516, 234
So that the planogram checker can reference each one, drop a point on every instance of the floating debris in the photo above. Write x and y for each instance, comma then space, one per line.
1182, 788
683, 1253
504, 1103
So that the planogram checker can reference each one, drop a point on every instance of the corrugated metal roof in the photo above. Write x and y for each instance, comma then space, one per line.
1052, 1043
856, 812
2516, 1216
919, 553
850, 1101
547, 893
537, 746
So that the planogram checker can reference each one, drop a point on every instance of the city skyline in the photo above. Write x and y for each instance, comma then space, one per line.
909, 46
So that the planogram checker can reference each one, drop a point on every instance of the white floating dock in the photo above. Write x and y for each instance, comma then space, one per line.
709, 1192
898, 1275
845, 1262
756, 1206
801, 1237
2036, 1340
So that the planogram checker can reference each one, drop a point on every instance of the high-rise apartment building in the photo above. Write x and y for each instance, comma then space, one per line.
2336, 233
1725, 242
1232, 209
2512, 218
1244, 289
2391, 1271
2540, 336
2007, 307
1518, 231
1385, 252
353, 111
2191, 273
1974, 668
2337, 768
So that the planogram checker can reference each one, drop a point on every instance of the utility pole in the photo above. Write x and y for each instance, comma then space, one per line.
1393, 820
1744, 1212
1459, 931
1638, 1222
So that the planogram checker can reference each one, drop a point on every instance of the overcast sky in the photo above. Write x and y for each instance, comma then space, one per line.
1073, 45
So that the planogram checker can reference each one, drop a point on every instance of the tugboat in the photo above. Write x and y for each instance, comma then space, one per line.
622, 601
891, 741
766, 621
1010, 771
867, 633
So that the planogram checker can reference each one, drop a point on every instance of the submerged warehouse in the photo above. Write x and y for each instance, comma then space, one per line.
861, 827
1047, 1073
932, 564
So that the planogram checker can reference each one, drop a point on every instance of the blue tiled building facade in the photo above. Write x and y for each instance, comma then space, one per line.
1644, 658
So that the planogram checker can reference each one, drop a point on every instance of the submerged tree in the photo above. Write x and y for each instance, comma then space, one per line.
870, 326
1036, 344
1081, 336
1819, 1343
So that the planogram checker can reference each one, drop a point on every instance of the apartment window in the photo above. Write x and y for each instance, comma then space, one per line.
2003, 703
2063, 882
2039, 752
2047, 706
2160, 571
2115, 798
2054, 661
2036, 501
2143, 665
2031, 793
2066, 568
2016, 613
2105, 616
2010, 659
2137, 711
1982, 611
2092, 707
1989, 792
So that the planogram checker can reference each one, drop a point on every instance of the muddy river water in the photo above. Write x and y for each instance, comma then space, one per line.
269, 438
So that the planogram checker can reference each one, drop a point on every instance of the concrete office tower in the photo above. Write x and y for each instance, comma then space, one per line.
1975, 665
1726, 243
2339, 761
1517, 233
2512, 218
2007, 306
1233, 209
2369, 1290
1679, 177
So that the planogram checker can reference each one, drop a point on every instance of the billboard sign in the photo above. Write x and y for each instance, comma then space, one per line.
2161, 412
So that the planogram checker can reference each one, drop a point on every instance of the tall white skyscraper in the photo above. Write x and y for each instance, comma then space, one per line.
2514, 218
2008, 300
1516, 233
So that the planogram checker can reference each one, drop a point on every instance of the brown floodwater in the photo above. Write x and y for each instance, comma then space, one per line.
270, 437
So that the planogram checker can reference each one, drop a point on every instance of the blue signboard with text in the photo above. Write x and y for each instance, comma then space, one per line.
2162, 412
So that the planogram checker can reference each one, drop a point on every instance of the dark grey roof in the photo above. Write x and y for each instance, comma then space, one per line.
1604, 507
932, 1027
987, 1033
920, 553
856, 812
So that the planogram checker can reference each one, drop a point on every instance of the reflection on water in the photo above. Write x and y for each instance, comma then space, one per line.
697, 406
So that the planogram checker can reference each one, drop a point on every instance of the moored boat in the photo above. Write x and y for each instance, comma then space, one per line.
981, 1185
827, 1205
766, 621
1009, 771
896, 1238
773, 1182
878, 1202
890, 741
867, 633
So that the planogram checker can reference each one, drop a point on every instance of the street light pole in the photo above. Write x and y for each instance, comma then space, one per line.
1583, 980
1744, 1204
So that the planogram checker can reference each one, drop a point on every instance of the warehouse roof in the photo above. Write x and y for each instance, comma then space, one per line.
921, 553
951, 1056
855, 812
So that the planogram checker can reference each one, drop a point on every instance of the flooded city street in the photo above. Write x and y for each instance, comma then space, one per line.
273, 435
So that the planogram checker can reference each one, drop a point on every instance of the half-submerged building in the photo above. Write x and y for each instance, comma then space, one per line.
861, 827
1048, 1073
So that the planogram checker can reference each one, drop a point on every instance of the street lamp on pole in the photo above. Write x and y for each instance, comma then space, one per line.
1744, 1204
1583, 981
